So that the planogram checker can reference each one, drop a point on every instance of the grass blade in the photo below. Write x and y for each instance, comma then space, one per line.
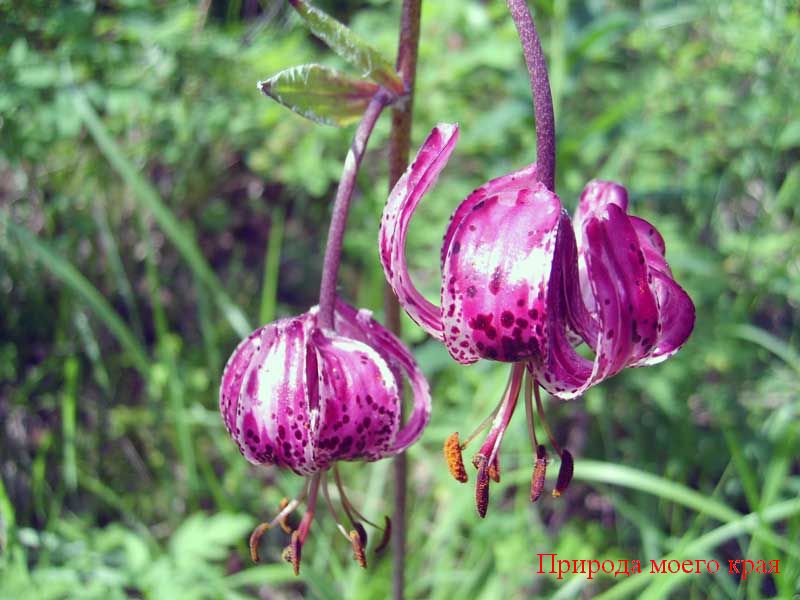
68, 422
80, 285
148, 197
766, 340
702, 545
272, 263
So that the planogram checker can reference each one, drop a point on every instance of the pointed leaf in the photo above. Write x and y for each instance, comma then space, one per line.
350, 46
320, 93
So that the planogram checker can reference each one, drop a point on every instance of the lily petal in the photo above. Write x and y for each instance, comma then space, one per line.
497, 271
525, 177
596, 196
359, 401
618, 274
360, 325
271, 396
627, 314
400, 206
677, 318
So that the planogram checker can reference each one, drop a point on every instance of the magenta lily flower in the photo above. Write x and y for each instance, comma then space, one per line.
299, 396
517, 286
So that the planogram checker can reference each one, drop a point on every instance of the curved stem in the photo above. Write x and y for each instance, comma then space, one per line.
540, 86
341, 206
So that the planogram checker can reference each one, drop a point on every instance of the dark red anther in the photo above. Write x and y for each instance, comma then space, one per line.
564, 473
387, 535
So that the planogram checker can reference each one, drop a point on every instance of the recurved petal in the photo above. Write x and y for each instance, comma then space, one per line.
559, 368
596, 196
626, 321
496, 275
400, 206
619, 277
359, 401
677, 318
652, 244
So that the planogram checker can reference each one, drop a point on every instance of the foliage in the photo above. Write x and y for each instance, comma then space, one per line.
146, 186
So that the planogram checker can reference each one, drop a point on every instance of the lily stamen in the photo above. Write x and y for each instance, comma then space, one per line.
540, 467
387, 535
539, 473
292, 552
454, 458
355, 517
529, 411
286, 508
491, 445
486, 460
358, 549
490, 418
566, 468
283, 522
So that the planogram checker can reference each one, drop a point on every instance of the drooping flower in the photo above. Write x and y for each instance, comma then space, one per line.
517, 286
298, 396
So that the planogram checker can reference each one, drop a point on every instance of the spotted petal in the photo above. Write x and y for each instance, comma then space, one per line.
637, 314
676, 310
627, 317
359, 401
497, 270
264, 396
361, 326
400, 206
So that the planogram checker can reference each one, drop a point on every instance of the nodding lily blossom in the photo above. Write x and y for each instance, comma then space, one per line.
518, 286
298, 396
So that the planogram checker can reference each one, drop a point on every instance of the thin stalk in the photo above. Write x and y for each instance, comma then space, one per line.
341, 206
399, 146
540, 87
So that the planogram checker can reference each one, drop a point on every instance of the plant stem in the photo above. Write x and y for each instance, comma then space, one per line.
540, 86
399, 146
341, 206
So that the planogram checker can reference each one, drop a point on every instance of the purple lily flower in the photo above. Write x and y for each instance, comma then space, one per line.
517, 286
298, 396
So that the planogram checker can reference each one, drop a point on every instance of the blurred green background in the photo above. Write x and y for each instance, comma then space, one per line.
154, 206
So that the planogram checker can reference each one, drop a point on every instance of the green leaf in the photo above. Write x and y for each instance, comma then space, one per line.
320, 93
349, 46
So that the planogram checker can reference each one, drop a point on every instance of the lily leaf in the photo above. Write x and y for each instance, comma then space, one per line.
349, 46
320, 93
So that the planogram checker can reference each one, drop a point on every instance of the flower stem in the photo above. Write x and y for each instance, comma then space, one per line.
341, 206
399, 146
540, 86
